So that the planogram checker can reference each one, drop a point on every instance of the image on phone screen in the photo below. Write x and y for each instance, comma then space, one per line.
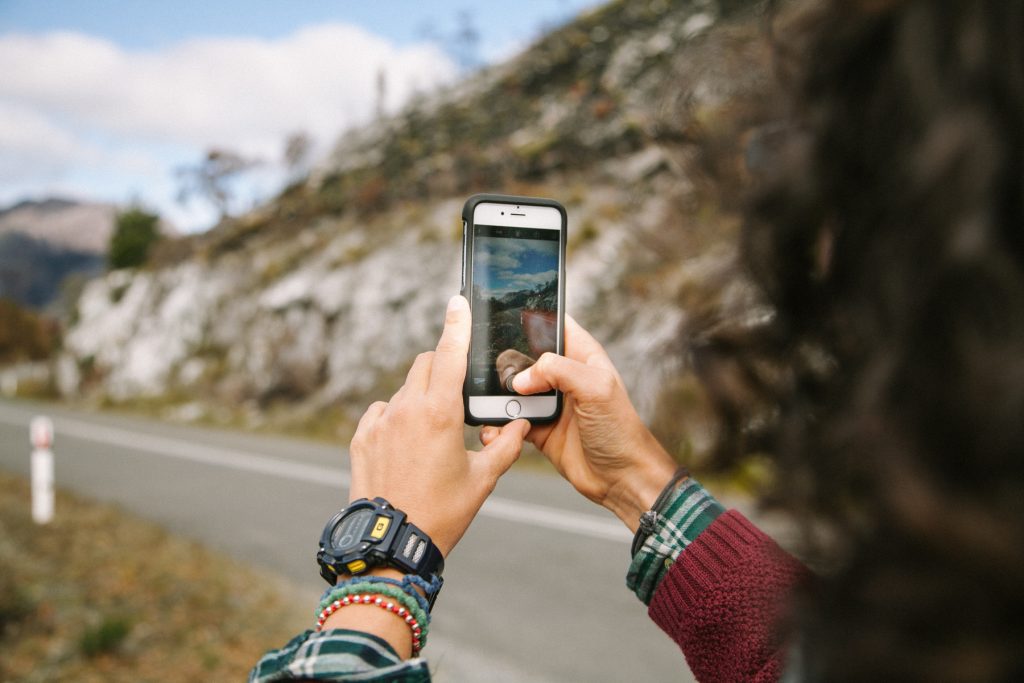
514, 301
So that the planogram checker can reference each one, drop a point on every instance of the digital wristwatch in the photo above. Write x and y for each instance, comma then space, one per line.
372, 533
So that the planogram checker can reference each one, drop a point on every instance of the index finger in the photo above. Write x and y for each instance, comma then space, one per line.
582, 347
449, 367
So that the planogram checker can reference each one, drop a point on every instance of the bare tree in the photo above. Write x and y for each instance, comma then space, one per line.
462, 43
212, 177
297, 150
382, 93
467, 41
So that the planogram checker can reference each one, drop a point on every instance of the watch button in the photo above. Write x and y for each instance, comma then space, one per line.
381, 527
513, 408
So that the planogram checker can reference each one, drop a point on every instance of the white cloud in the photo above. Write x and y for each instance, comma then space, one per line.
498, 253
31, 144
496, 261
69, 101
244, 93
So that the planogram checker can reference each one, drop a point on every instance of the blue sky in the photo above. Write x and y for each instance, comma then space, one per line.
104, 99
154, 24
510, 265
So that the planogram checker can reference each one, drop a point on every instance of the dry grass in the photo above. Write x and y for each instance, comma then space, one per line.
101, 596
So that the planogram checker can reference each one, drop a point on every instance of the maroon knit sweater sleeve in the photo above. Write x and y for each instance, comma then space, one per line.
724, 599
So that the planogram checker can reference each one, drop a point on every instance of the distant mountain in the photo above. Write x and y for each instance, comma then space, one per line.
48, 204
32, 270
543, 297
69, 224
42, 242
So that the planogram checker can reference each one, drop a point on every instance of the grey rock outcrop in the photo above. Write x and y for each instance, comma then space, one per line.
319, 301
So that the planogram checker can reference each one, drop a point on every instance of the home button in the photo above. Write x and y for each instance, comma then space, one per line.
513, 408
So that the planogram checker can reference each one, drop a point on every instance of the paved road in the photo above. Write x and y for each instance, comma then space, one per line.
534, 592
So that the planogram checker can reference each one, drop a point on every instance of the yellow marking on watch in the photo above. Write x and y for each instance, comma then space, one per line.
381, 527
356, 566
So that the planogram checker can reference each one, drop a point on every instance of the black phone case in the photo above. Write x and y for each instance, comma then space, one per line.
467, 286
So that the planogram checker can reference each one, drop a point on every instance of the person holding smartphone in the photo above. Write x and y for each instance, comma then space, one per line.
888, 386
409, 451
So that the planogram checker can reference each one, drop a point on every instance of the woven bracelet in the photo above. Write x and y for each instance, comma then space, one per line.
336, 599
396, 593
409, 584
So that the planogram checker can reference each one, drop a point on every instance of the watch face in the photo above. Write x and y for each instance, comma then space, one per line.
351, 530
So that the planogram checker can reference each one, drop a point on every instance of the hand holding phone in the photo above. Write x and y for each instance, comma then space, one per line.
599, 444
410, 450
513, 275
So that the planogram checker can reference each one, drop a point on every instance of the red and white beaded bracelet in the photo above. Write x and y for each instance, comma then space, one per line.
380, 601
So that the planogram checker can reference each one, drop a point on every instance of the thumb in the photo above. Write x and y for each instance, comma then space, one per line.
488, 434
504, 449
552, 371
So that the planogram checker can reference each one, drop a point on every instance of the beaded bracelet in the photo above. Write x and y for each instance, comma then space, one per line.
419, 635
362, 586
352, 588
409, 583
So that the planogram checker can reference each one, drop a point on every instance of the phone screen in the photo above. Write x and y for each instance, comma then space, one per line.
514, 301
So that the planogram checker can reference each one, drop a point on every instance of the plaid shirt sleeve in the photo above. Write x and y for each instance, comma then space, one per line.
338, 655
679, 519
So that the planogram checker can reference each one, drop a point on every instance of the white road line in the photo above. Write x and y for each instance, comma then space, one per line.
554, 518
496, 507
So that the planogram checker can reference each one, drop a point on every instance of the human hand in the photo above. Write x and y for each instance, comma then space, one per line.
599, 443
509, 363
410, 450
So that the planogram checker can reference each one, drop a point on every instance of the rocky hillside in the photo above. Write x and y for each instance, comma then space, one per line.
313, 305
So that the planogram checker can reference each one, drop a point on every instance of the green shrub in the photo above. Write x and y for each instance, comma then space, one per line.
15, 604
106, 637
135, 232
24, 335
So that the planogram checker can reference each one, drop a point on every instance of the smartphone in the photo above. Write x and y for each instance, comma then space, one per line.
513, 274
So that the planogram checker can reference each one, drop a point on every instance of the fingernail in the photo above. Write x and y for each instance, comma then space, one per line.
456, 302
488, 433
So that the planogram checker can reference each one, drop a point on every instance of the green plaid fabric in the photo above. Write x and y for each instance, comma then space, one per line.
682, 516
338, 655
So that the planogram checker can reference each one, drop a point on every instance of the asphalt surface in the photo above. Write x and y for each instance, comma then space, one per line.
535, 591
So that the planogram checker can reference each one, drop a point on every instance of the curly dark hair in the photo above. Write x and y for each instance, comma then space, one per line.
888, 386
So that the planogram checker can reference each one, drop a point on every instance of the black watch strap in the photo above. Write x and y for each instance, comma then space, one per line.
415, 553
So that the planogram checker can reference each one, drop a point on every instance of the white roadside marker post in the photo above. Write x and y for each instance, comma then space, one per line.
41, 430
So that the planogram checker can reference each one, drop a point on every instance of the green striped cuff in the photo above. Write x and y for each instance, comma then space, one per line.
678, 521
338, 654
